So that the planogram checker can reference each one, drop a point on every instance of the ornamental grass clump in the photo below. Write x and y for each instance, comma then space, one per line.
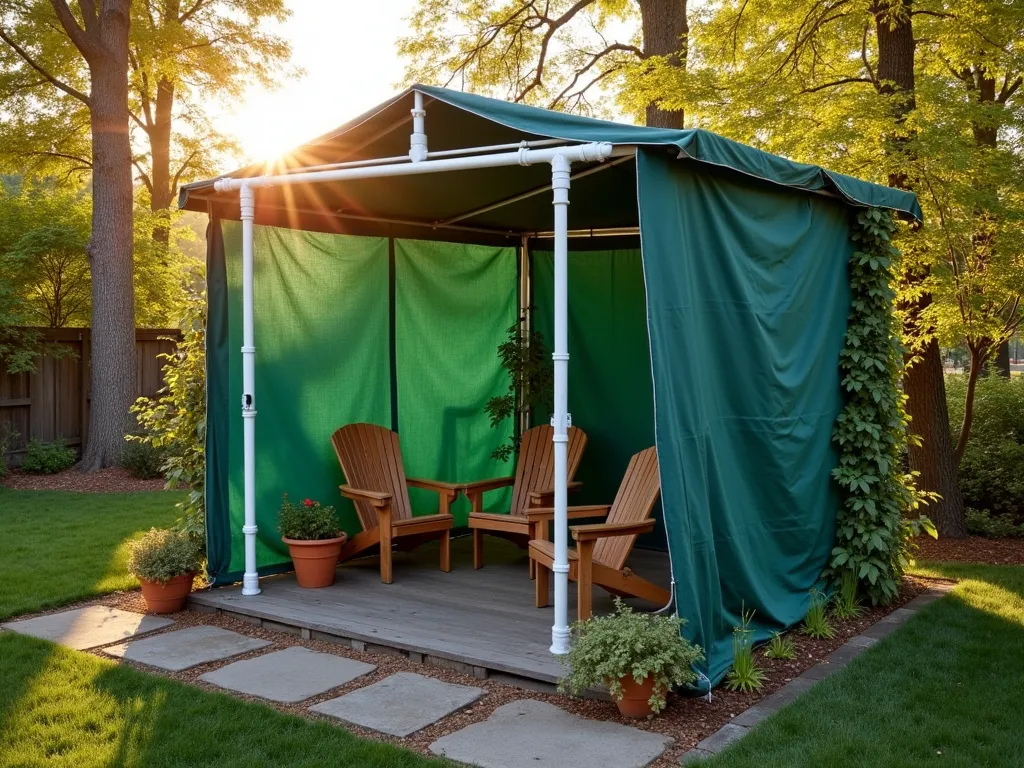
781, 647
745, 675
846, 603
607, 649
816, 623
308, 521
162, 555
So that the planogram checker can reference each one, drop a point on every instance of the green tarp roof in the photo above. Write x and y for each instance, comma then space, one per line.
457, 120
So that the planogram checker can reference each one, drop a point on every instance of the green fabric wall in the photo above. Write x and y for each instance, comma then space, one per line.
610, 392
747, 298
453, 306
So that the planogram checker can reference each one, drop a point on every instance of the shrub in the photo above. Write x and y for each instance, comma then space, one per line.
163, 554
745, 675
781, 647
309, 521
991, 472
47, 458
8, 436
981, 523
816, 623
607, 648
144, 460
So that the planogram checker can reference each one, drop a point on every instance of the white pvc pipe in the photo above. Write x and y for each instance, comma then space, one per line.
578, 153
418, 139
560, 421
250, 580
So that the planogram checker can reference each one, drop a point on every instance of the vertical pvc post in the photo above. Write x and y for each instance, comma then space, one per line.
250, 579
560, 421
418, 139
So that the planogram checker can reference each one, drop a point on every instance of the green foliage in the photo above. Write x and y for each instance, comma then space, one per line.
308, 521
608, 648
175, 422
142, 459
873, 534
531, 377
47, 458
745, 675
8, 437
816, 623
781, 647
163, 554
981, 523
846, 602
991, 472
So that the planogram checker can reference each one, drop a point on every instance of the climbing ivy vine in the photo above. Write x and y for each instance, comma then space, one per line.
880, 513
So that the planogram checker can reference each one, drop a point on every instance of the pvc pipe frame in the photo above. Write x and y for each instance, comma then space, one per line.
560, 159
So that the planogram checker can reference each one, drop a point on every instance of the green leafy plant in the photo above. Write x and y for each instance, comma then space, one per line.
781, 647
308, 521
846, 603
608, 648
877, 519
47, 458
745, 675
816, 623
175, 422
163, 554
144, 460
982, 523
528, 363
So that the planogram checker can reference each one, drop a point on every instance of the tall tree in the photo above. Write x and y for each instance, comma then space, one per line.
556, 53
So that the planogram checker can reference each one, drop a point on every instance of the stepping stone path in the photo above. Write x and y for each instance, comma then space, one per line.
288, 676
85, 628
175, 651
535, 734
400, 704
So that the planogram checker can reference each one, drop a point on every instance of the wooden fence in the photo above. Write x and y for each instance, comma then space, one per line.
53, 401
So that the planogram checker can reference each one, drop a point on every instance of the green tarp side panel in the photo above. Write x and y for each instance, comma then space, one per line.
453, 306
321, 332
696, 144
610, 395
747, 302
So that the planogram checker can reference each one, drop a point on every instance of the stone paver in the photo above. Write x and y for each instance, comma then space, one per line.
728, 734
535, 734
695, 756
400, 704
288, 676
88, 627
175, 651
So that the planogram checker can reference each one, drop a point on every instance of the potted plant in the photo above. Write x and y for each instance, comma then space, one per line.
165, 562
314, 540
639, 656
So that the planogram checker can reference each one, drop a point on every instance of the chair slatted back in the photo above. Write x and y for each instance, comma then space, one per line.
633, 504
535, 467
371, 458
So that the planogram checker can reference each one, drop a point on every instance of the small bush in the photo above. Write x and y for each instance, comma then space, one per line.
982, 523
781, 647
144, 460
816, 623
309, 521
162, 555
745, 675
47, 458
641, 645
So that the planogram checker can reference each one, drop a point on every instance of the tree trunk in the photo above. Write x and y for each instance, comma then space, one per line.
1002, 360
666, 33
923, 382
160, 150
110, 249
977, 366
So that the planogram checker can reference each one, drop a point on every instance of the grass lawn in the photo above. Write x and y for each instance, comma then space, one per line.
943, 690
57, 547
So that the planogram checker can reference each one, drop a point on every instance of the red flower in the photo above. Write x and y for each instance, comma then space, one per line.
309, 502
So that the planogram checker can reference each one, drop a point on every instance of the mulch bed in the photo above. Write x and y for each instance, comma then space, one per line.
110, 480
973, 549
686, 719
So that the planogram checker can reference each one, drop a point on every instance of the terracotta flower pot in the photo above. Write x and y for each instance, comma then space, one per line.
169, 596
315, 561
635, 697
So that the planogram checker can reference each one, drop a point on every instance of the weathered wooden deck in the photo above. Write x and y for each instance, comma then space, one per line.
483, 622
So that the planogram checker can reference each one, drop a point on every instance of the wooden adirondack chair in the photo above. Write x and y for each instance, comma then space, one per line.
371, 458
603, 548
531, 487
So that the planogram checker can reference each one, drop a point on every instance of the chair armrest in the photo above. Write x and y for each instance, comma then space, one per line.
376, 498
480, 486
540, 514
605, 530
546, 497
433, 485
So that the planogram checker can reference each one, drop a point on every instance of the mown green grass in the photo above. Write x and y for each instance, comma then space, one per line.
56, 548
65, 708
943, 690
